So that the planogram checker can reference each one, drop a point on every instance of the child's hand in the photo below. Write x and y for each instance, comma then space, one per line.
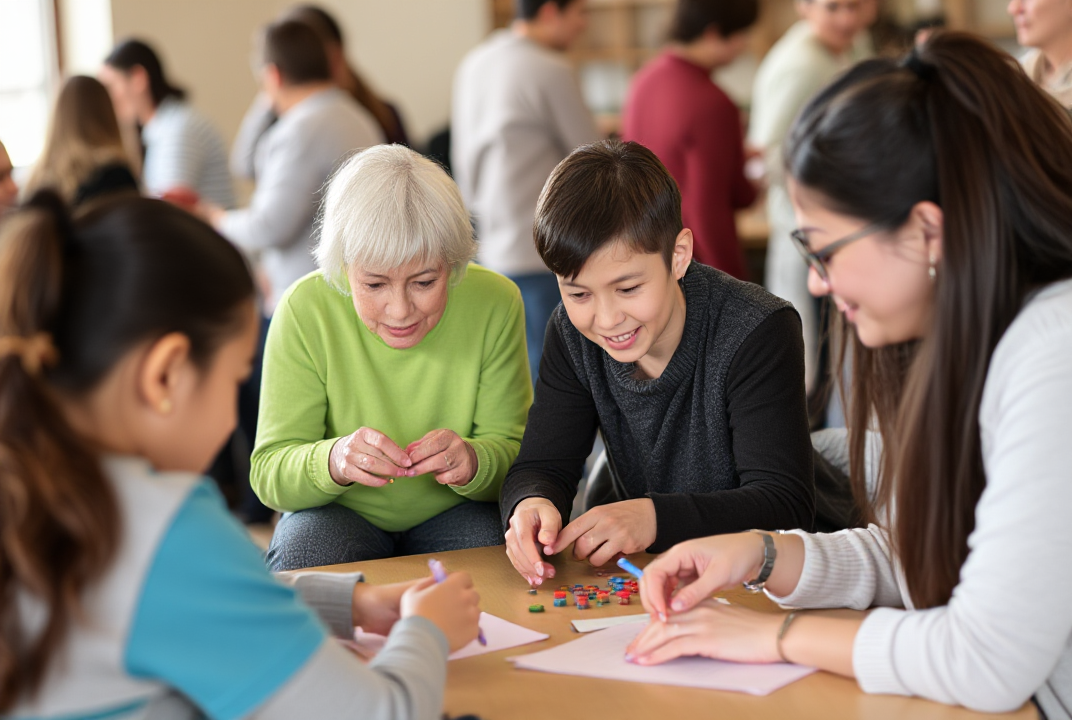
536, 522
453, 605
444, 454
376, 608
368, 457
603, 532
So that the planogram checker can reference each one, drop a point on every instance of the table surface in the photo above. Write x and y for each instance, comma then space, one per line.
488, 686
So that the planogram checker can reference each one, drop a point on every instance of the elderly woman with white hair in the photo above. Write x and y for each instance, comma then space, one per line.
396, 382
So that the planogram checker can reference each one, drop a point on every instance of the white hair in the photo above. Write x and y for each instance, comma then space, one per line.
386, 207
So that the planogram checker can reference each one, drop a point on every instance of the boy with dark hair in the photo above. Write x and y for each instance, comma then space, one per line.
675, 109
694, 379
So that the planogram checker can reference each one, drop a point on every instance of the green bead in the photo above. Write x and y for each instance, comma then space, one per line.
535, 608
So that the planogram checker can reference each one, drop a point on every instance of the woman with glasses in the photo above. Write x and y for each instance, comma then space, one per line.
933, 198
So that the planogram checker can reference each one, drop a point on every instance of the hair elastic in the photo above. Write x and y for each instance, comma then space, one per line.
924, 70
35, 351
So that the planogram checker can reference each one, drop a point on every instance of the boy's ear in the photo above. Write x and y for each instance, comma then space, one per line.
682, 254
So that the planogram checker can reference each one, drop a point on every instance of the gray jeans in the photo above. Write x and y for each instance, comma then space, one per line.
335, 534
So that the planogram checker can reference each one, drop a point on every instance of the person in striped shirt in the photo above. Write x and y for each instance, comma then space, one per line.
183, 151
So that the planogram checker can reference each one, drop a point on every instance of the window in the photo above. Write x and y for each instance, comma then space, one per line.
28, 70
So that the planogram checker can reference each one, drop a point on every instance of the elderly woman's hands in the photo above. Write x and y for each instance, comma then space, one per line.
369, 457
449, 458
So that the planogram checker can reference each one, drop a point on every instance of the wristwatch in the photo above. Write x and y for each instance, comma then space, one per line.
769, 555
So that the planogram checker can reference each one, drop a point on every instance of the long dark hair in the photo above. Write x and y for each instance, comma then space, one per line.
75, 297
959, 124
133, 52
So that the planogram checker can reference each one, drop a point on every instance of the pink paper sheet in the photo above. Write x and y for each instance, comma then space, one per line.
500, 634
602, 655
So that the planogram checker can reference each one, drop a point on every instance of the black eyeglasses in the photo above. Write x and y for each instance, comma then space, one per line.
818, 260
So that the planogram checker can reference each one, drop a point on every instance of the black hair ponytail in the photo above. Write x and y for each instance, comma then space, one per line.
75, 297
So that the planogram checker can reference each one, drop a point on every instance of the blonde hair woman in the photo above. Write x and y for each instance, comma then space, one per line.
84, 156
396, 382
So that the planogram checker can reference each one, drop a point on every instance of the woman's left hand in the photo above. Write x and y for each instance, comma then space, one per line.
449, 458
711, 629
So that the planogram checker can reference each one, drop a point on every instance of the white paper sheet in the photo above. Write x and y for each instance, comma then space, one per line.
500, 634
602, 655
587, 626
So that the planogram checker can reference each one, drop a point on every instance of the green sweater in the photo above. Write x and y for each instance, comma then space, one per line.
326, 375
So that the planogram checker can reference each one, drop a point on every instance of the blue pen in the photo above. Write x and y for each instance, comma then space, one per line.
440, 574
630, 568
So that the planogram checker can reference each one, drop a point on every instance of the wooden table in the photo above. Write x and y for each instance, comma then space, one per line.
490, 687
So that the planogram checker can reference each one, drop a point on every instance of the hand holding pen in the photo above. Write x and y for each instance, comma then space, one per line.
452, 605
440, 574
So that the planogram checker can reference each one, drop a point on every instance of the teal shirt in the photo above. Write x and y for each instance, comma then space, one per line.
326, 375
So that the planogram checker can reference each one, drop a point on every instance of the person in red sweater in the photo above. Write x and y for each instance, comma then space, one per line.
675, 109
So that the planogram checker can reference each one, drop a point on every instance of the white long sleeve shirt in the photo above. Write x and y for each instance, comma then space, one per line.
517, 112
293, 161
1006, 634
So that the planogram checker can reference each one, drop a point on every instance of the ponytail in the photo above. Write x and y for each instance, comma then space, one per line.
59, 520
959, 124
75, 298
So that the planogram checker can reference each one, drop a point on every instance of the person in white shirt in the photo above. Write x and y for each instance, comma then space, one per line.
319, 126
810, 54
1045, 26
932, 199
518, 112
183, 151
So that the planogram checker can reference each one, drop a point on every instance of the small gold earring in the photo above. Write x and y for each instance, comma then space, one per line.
165, 406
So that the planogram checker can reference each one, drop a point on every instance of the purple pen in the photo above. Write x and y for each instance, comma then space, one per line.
440, 574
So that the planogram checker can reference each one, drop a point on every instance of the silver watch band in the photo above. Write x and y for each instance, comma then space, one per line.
770, 553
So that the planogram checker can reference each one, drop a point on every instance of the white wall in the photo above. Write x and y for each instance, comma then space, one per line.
406, 49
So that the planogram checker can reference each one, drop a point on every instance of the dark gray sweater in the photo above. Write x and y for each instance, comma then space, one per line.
719, 442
